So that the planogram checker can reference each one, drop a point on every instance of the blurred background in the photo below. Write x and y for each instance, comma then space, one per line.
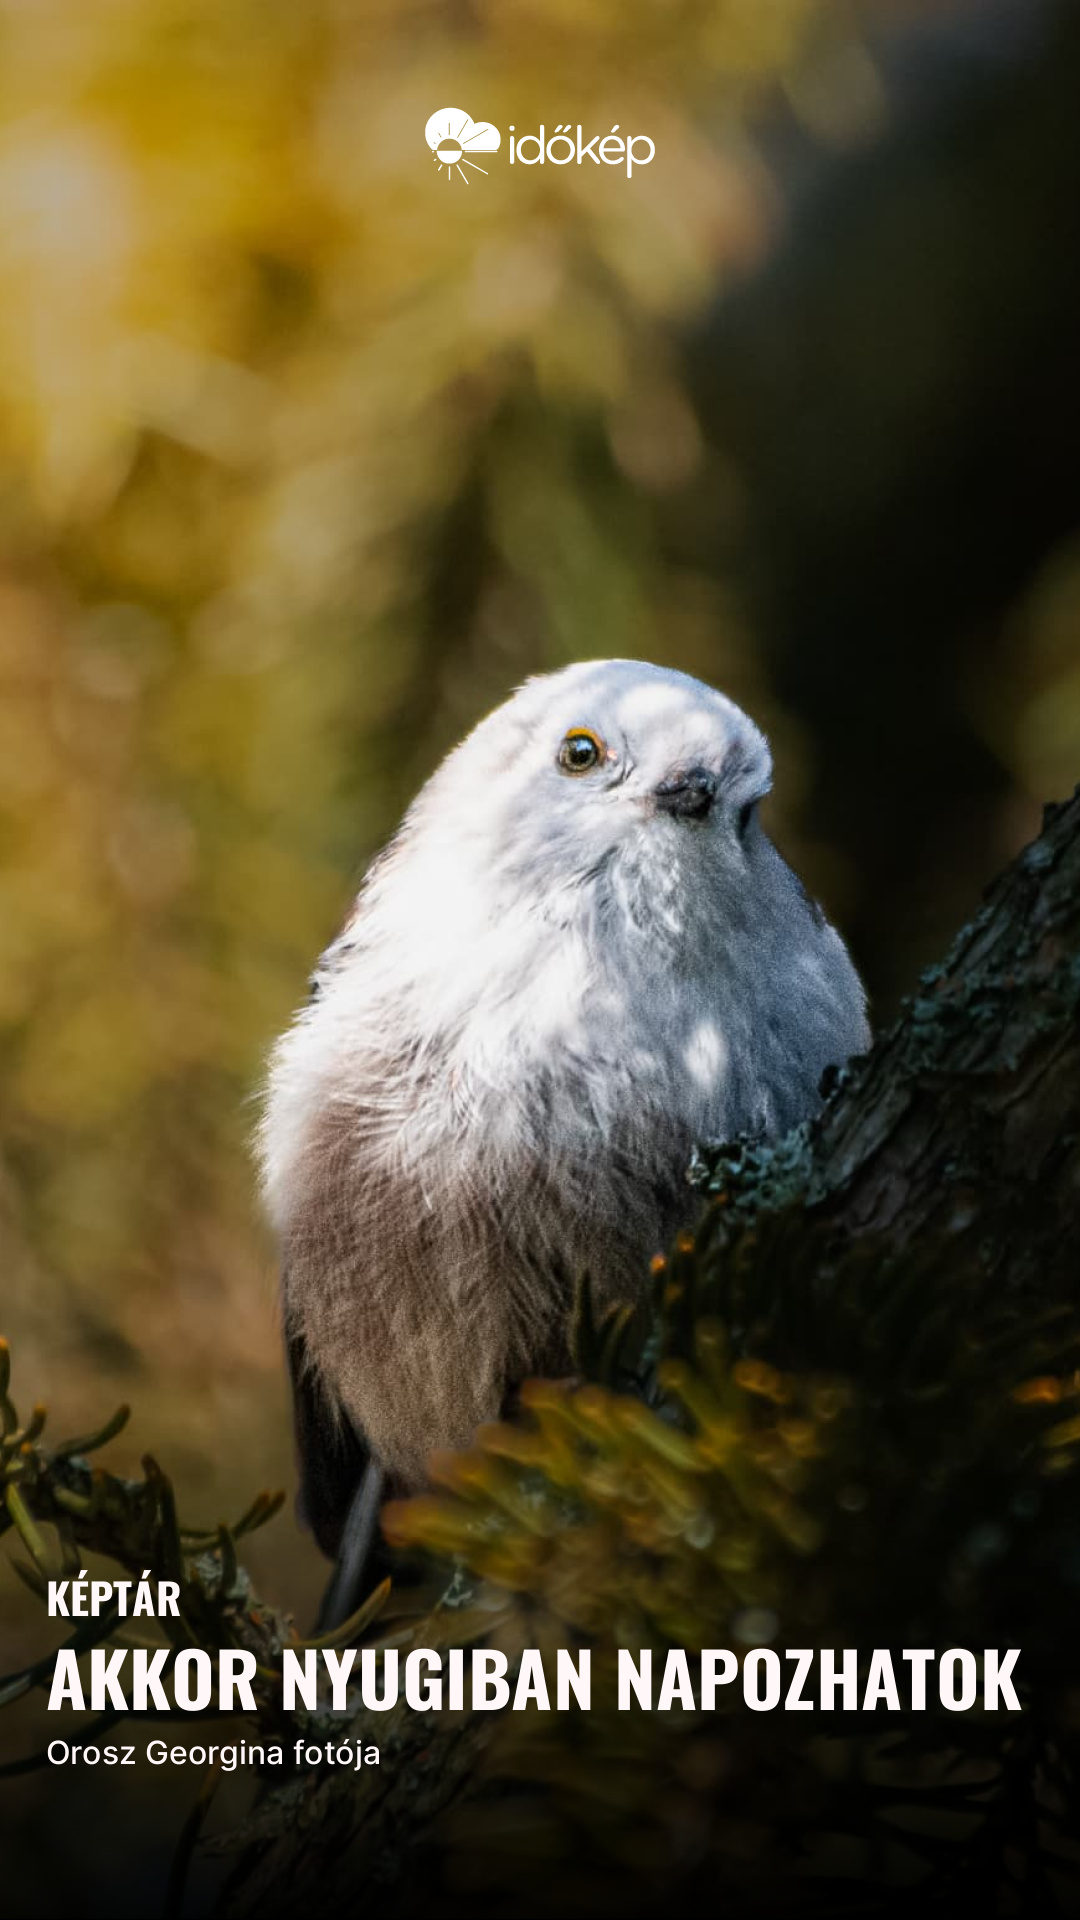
308, 454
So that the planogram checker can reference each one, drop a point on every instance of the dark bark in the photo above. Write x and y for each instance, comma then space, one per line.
965, 1124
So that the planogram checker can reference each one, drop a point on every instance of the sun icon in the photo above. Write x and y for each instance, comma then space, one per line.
453, 135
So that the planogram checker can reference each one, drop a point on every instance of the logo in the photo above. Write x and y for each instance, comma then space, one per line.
453, 136
568, 144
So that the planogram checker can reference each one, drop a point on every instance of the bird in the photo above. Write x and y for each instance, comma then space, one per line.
578, 958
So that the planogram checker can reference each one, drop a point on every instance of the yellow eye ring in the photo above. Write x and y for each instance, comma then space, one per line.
581, 751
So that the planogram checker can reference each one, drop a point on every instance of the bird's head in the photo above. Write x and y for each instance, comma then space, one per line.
607, 761
587, 868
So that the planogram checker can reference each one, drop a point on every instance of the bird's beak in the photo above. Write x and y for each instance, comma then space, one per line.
687, 793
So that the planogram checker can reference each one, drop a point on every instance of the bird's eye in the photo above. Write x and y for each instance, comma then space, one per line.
581, 751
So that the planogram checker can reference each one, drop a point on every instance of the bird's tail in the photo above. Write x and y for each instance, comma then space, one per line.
351, 1576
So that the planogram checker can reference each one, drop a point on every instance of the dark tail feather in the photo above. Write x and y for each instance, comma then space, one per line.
331, 1455
351, 1581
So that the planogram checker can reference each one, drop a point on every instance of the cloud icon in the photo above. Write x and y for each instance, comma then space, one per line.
454, 137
